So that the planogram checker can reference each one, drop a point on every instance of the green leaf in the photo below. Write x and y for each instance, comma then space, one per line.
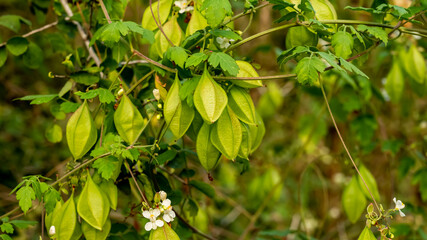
370, 181
33, 57
50, 198
111, 191
178, 55
81, 132
178, 115
87, 95
215, 11
242, 105
148, 22
377, 32
225, 61
105, 96
209, 98
331, 59
206, 151
351, 68
203, 187
3, 56
25, 195
91, 233
93, 205
301, 36
146, 34
187, 90
5, 237
84, 78
17, 45
54, 133
196, 23
6, 228
247, 70
68, 107
166, 156
342, 42
226, 134
129, 121
226, 33
395, 83
39, 99
23, 223
353, 200
163, 233
366, 234
13, 22
308, 69
196, 59
107, 167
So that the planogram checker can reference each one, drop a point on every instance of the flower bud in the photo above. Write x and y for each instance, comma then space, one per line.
157, 198
52, 230
156, 94
120, 92
163, 195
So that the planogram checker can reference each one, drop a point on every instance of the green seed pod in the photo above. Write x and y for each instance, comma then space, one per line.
81, 131
226, 134
93, 205
148, 20
66, 221
300, 36
206, 151
414, 64
197, 22
209, 98
174, 33
257, 132
91, 233
110, 190
395, 83
178, 115
246, 70
50, 217
246, 146
128, 120
242, 105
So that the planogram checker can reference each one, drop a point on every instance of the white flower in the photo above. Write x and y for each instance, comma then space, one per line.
163, 195
156, 94
52, 230
183, 5
152, 214
224, 42
168, 213
399, 206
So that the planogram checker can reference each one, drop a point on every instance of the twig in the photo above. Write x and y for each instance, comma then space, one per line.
159, 24
104, 10
136, 183
154, 62
82, 33
139, 82
344, 145
195, 230
47, 26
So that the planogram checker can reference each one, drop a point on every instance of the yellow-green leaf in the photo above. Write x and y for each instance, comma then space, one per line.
353, 200
148, 20
197, 22
91, 233
163, 233
93, 205
300, 36
246, 70
174, 33
242, 105
370, 181
50, 217
81, 131
366, 235
206, 151
209, 98
129, 121
178, 115
226, 134
65, 221
54, 133
110, 190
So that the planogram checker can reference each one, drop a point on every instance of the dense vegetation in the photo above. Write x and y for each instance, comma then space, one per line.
213, 119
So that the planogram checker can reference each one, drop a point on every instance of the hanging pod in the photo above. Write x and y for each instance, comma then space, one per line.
148, 20
257, 132
414, 64
209, 98
111, 191
48, 220
301, 36
206, 151
246, 70
395, 83
93, 205
246, 145
178, 115
173, 32
65, 222
197, 22
91, 233
226, 134
81, 131
129, 121
163, 233
242, 105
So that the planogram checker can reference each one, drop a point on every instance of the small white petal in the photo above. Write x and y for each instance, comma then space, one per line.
148, 226
219, 40
166, 203
226, 45
52, 230
172, 214
159, 223
394, 200
167, 218
156, 212
190, 8
146, 214
401, 213
178, 4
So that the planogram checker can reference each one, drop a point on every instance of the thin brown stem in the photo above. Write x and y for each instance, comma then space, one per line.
195, 230
345, 146
136, 182
159, 24
104, 10
139, 82
47, 26
154, 62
